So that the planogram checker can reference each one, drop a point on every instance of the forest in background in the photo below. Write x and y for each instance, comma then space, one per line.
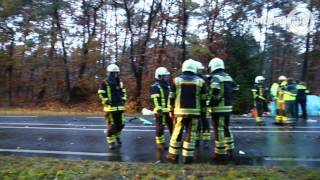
56, 51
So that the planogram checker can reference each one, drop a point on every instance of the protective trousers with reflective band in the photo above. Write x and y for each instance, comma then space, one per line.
115, 123
188, 145
203, 130
281, 113
259, 95
291, 110
259, 104
161, 122
223, 138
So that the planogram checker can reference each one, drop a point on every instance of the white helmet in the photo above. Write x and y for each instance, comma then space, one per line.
258, 79
199, 65
282, 78
216, 63
113, 68
161, 71
189, 65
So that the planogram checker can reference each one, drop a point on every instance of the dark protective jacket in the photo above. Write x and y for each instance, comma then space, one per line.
160, 90
302, 92
222, 89
187, 96
206, 79
260, 92
112, 94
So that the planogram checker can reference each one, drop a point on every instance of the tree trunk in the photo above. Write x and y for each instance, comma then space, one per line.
305, 68
10, 68
184, 30
56, 17
116, 34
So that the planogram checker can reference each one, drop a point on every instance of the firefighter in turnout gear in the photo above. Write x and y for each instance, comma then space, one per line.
187, 97
113, 96
301, 99
222, 88
203, 132
160, 90
290, 93
279, 93
260, 96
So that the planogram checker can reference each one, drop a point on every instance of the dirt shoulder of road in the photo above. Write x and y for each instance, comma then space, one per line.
57, 108
12, 167
52, 112
43, 112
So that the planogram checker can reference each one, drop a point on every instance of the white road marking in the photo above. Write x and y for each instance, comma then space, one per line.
274, 127
236, 131
152, 130
292, 159
95, 117
56, 152
19, 116
49, 128
142, 126
243, 118
286, 131
111, 154
52, 124
239, 118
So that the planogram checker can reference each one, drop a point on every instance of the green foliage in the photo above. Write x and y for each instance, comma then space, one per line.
9, 7
37, 28
201, 53
192, 5
48, 7
243, 65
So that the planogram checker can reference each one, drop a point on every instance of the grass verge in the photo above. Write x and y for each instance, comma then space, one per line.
12, 167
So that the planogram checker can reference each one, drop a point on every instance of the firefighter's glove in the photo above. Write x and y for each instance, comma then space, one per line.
171, 114
158, 113
106, 102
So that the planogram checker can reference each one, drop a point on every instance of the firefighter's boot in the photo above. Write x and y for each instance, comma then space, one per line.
112, 146
119, 142
197, 144
160, 146
206, 144
172, 158
187, 160
230, 154
219, 158
118, 139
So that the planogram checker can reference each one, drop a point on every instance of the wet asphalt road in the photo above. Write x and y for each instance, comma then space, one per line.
81, 137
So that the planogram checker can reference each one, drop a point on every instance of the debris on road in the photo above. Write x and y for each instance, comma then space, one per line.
147, 112
144, 121
241, 152
311, 120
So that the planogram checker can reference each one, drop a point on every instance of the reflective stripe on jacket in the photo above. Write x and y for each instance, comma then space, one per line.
112, 94
187, 95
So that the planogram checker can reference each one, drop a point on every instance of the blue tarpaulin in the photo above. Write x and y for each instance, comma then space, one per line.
313, 106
